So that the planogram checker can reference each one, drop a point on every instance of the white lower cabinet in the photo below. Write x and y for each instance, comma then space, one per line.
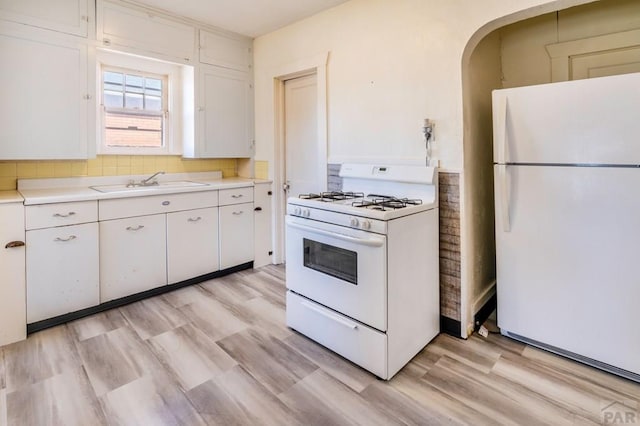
12, 284
236, 234
62, 270
133, 255
192, 243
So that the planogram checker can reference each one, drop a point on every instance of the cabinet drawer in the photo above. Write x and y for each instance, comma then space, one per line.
141, 206
236, 196
353, 340
60, 214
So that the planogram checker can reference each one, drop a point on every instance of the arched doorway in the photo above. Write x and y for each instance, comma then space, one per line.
522, 50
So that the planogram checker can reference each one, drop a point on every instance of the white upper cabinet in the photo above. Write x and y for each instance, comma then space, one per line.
225, 51
225, 114
144, 31
67, 16
46, 99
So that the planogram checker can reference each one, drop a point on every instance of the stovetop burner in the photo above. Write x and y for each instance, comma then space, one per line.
331, 196
385, 202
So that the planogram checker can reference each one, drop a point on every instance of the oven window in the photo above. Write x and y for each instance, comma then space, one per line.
330, 260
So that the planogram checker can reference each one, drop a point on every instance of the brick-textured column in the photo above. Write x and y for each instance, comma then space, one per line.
449, 188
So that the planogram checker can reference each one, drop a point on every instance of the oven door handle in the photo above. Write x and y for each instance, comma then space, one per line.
335, 318
362, 241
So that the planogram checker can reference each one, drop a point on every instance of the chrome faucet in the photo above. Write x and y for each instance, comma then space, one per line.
150, 180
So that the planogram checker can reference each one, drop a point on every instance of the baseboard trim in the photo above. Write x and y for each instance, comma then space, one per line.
483, 313
61, 319
450, 326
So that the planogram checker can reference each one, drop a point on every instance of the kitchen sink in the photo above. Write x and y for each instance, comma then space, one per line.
123, 187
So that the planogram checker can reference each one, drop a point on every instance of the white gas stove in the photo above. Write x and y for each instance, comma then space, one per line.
362, 265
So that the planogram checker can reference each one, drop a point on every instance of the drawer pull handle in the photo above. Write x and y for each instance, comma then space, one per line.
194, 219
236, 196
14, 244
237, 213
258, 209
64, 240
137, 228
64, 215
166, 203
330, 316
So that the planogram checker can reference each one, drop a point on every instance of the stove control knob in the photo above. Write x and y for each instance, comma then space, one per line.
366, 225
297, 211
354, 222
306, 213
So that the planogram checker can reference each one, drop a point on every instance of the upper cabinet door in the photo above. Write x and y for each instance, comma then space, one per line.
225, 114
223, 51
67, 16
144, 31
45, 99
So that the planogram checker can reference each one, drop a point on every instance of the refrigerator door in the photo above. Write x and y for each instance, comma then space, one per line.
568, 271
593, 121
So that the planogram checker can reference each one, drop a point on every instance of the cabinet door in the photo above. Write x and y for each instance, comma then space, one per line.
67, 16
13, 324
236, 235
225, 113
62, 270
192, 244
144, 31
44, 105
224, 51
133, 256
262, 224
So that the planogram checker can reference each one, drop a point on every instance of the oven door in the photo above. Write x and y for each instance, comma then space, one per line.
342, 268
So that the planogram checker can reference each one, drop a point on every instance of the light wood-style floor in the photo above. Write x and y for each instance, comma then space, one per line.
220, 353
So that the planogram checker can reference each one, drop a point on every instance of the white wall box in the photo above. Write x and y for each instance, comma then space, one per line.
262, 224
67, 16
192, 244
236, 227
44, 109
133, 255
62, 270
12, 264
225, 51
145, 31
224, 120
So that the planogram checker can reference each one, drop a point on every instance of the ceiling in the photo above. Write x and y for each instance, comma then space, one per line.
249, 17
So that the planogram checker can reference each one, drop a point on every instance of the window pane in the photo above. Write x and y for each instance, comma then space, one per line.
113, 99
153, 103
133, 100
113, 77
131, 130
135, 83
153, 83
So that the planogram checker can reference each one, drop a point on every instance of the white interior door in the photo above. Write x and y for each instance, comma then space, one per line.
303, 167
301, 136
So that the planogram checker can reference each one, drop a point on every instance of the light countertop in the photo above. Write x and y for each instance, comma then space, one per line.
7, 197
61, 190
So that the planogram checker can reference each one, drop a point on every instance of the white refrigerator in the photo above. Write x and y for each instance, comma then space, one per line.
567, 199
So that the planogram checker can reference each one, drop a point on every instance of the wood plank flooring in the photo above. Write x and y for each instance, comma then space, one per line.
219, 353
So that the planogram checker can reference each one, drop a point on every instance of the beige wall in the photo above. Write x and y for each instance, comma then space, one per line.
391, 64
524, 58
482, 76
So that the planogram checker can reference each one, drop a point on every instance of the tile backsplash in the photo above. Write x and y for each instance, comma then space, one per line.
110, 165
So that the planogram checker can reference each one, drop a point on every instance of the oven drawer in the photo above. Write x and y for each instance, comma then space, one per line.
353, 340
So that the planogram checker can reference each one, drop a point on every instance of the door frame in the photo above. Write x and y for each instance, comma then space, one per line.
313, 65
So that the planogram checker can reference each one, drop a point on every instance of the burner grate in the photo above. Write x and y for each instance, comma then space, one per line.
332, 196
385, 202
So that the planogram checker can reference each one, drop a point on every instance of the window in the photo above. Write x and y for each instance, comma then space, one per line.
134, 109
145, 105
